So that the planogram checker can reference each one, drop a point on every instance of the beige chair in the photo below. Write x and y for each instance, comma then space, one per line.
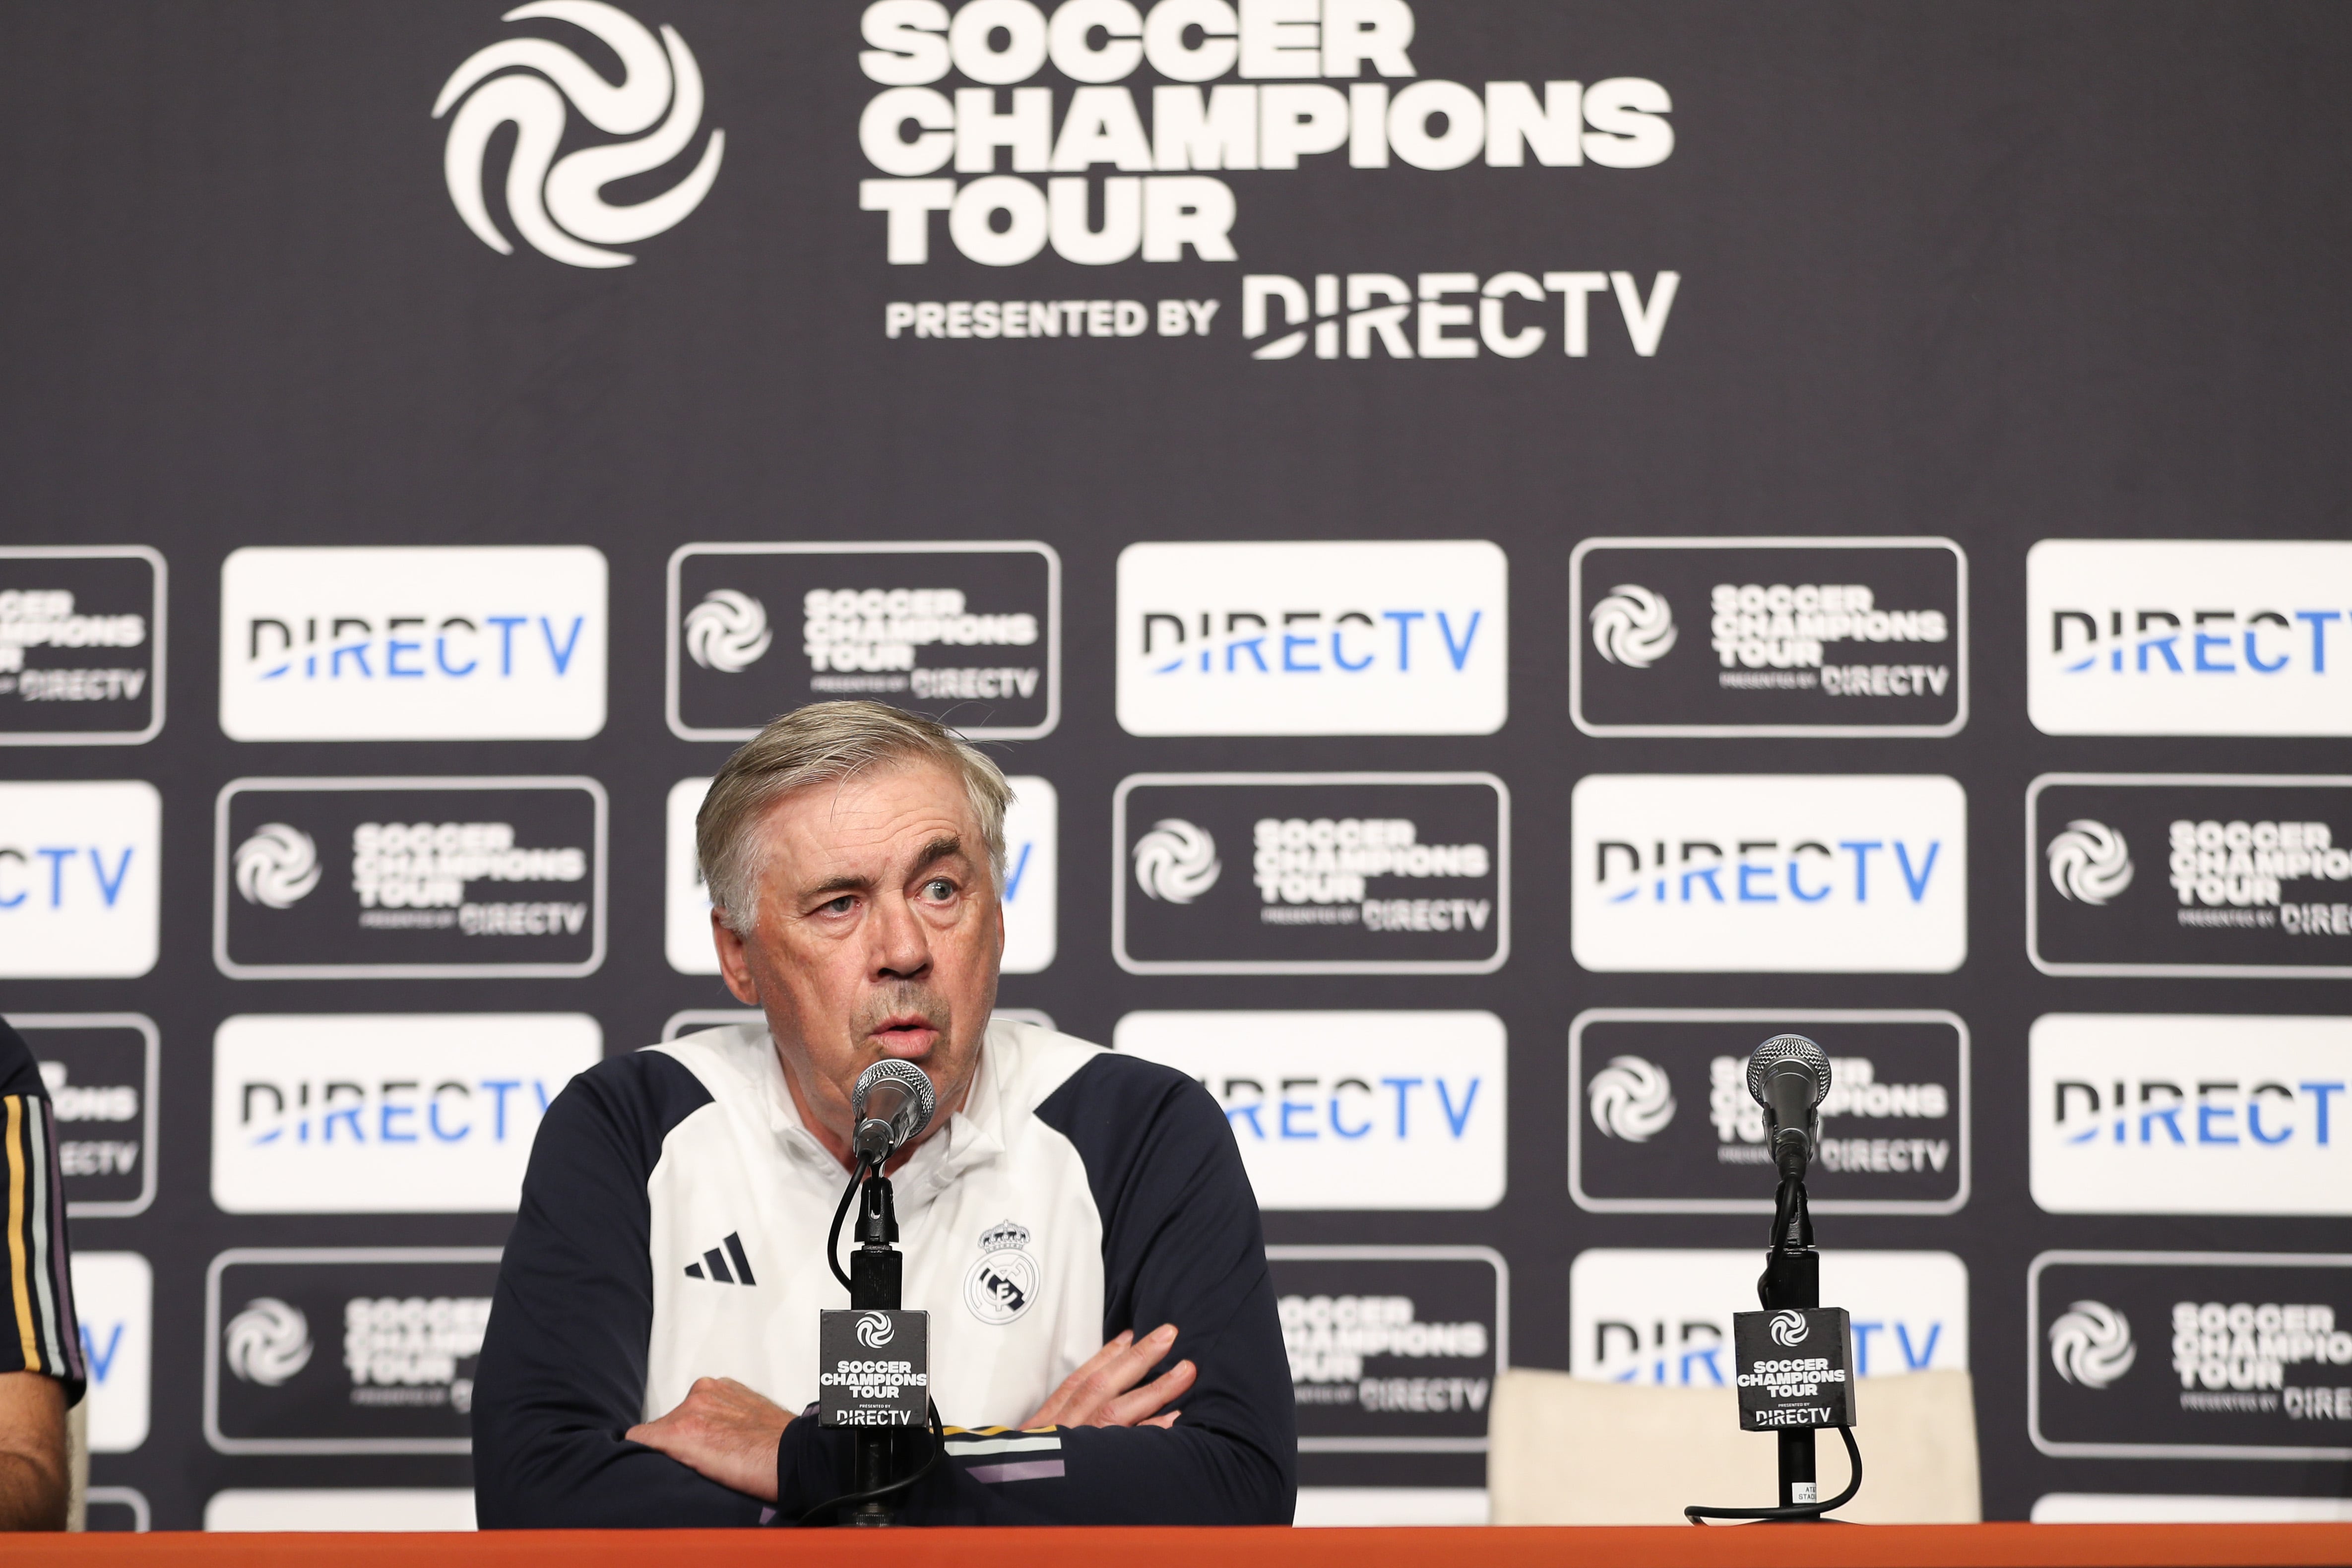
77, 1466
1562, 1450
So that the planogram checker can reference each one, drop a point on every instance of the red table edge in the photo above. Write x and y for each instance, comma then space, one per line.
2004, 1545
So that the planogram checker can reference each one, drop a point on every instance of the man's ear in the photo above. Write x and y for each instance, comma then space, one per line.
734, 963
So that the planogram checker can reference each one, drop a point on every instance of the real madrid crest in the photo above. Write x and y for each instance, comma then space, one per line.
1004, 1281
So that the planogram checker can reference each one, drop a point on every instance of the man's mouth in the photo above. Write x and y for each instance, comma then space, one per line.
906, 1035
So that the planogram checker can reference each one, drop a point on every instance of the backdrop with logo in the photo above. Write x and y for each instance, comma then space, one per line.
1512, 551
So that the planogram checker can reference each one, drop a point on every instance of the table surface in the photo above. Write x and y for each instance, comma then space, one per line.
1822, 1546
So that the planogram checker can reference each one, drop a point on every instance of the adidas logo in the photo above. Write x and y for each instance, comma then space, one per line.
714, 1264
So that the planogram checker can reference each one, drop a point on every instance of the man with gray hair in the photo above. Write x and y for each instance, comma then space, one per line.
1067, 1216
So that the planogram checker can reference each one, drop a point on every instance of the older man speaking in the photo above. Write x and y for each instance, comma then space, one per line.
654, 1331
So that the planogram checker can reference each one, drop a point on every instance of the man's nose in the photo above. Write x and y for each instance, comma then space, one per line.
901, 947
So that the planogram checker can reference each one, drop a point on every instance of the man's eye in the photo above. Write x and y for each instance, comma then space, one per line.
841, 906
940, 888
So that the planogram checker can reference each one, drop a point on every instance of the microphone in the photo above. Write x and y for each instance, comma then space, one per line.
891, 1105
1788, 1076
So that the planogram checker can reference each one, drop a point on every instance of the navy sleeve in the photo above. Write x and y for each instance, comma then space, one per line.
41, 1333
1183, 1245
562, 1369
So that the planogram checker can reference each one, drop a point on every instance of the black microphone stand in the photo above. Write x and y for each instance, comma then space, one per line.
1792, 1278
876, 1272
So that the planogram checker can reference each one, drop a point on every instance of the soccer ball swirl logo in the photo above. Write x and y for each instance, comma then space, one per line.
558, 204
727, 630
276, 866
874, 1329
1788, 1327
2089, 863
267, 1342
1630, 1099
1633, 626
2091, 1344
1176, 863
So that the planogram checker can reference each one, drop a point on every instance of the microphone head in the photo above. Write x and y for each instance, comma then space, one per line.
1788, 1051
895, 1098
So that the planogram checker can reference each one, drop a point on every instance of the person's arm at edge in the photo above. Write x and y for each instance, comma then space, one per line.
41, 1370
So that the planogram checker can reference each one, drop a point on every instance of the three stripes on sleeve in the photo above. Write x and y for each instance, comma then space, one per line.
42, 1335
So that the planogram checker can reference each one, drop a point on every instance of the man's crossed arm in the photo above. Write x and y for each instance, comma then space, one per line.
733, 1435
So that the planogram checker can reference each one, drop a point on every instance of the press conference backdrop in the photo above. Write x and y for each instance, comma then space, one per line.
1513, 550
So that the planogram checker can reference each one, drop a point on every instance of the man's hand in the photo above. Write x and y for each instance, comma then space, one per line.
724, 1432
1098, 1394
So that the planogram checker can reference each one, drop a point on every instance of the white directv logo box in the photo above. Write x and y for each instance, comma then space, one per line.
385, 1112
1819, 874
413, 643
1348, 1109
1336, 637
2189, 637
1662, 1316
114, 1297
2177, 1114
80, 870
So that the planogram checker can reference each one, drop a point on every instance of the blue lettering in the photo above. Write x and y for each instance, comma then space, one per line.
1714, 890
2254, 1122
18, 856
1338, 1126
1860, 848
349, 1115
2212, 639
2169, 1116
1747, 871
1918, 885
2162, 646
1338, 654
1862, 1332
2254, 658
57, 859
433, 1114
1403, 1086
109, 886
441, 647
386, 1110
2319, 619
1405, 620
1797, 887
500, 1086
1289, 1107
1249, 1111
505, 625
393, 650
563, 656
2322, 1090
1291, 644
1706, 1358
1445, 630
2206, 1116
358, 653
1457, 1121
1255, 645
1918, 1363
1012, 883
101, 1363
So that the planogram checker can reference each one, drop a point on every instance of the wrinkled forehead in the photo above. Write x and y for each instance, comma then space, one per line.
878, 819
